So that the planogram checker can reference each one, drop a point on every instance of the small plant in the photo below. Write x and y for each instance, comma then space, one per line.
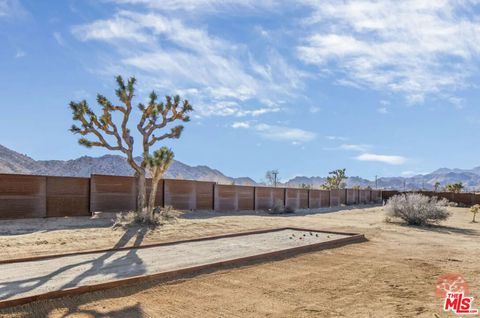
279, 208
417, 209
475, 209
159, 218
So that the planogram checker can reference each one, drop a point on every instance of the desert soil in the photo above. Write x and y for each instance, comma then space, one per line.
391, 275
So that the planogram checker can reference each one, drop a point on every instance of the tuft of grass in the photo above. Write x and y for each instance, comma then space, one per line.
160, 217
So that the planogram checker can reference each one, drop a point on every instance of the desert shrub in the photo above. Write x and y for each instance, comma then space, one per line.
417, 209
475, 209
132, 219
279, 208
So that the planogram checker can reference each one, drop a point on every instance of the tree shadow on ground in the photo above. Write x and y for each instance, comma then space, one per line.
73, 304
443, 229
105, 264
70, 309
199, 215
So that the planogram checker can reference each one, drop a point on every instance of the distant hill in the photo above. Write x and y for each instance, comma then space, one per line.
14, 162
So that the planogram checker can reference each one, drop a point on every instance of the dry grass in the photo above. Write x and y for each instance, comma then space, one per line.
392, 275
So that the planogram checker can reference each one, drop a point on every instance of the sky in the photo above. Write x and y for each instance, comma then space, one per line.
386, 88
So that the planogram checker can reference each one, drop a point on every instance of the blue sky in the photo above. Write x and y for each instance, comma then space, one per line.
379, 87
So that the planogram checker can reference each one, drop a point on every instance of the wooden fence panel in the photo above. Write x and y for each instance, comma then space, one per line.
204, 195
234, 198
363, 196
180, 194
376, 196
352, 196
68, 196
189, 194
266, 197
343, 196
335, 197
112, 193
464, 199
324, 198
22, 196
314, 197
297, 198
245, 197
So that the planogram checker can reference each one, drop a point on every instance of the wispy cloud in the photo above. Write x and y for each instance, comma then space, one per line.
355, 147
20, 54
410, 47
201, 5
241, 124
11, 9
59, 38
333, 138
392, 160
382, 110
222, 77
277, 133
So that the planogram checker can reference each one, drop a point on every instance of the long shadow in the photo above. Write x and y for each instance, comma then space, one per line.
105, 264
199, 215
72, 310
444, 229
27, 226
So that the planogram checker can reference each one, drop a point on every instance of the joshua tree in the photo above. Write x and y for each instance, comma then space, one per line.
436, 186
475, 209
335, 179
110, 128
158, 163
454, 187
271, 177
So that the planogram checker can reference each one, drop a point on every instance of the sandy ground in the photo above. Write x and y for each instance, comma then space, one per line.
391, 275
59, 273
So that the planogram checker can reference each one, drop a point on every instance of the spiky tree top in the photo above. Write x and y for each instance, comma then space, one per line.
159, 161
105, 132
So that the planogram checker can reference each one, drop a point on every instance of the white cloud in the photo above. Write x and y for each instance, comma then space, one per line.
284, 133
20, 54
11, 8
241, 124
201, 5
278, 133
59, 38
355, 147
333, 138
410, 47
172, 56
382, 110
393, 160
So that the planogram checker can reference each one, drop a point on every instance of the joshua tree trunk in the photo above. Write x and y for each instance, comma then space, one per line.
151, 199
142, 192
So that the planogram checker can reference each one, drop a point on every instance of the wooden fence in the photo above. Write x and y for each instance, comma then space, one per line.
30, 196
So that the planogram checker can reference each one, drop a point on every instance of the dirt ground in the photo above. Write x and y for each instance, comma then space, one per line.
391, 275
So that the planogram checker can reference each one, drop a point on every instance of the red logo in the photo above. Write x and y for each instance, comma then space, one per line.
454, 289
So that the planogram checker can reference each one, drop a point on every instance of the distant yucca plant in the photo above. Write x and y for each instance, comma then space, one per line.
417, 209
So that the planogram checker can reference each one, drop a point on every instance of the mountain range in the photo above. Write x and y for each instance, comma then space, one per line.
14, 162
